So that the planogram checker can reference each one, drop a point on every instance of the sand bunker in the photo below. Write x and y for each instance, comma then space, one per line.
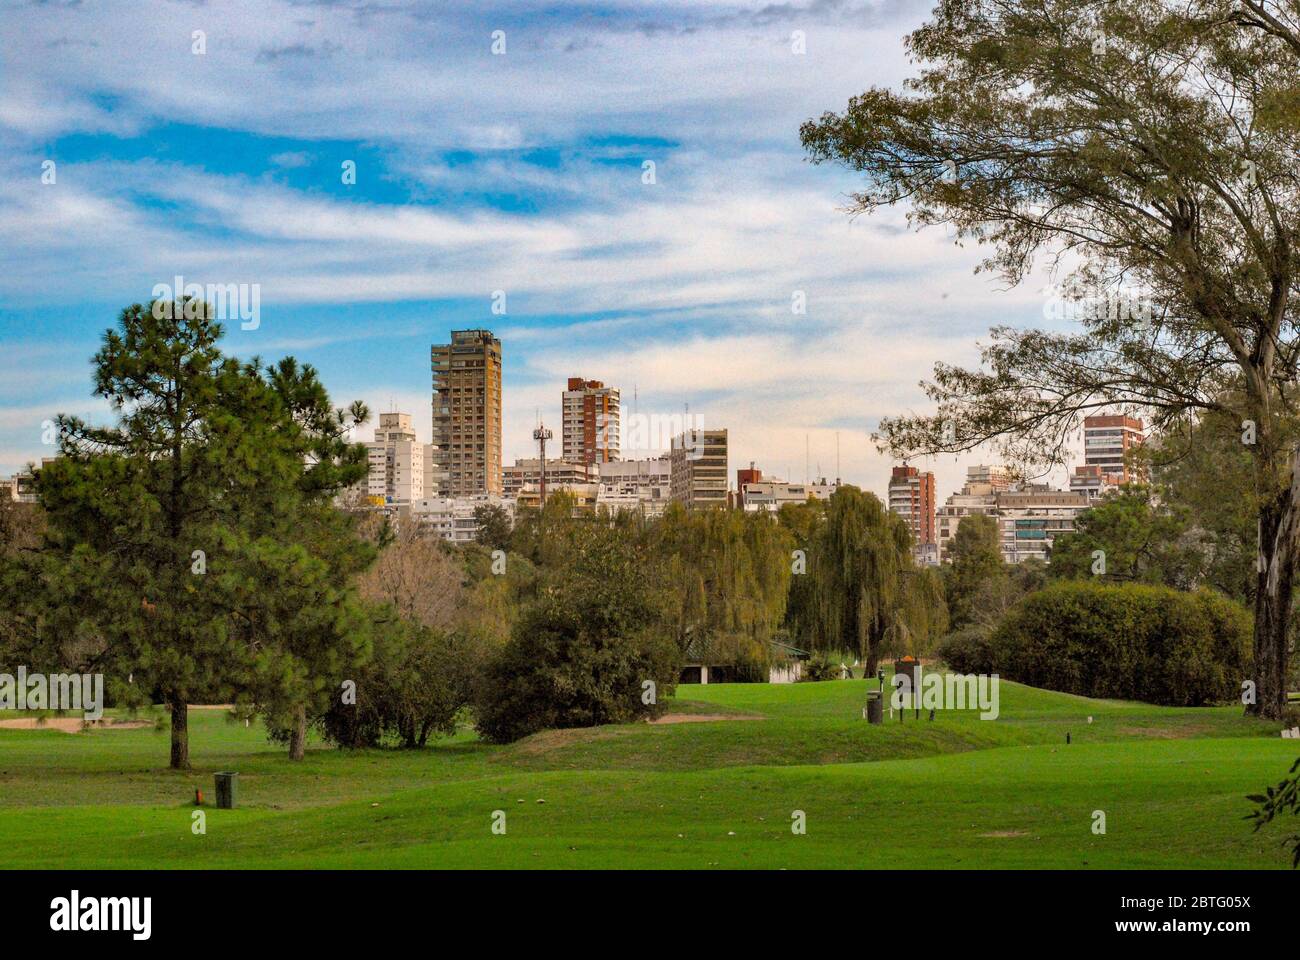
71, 724
704, 717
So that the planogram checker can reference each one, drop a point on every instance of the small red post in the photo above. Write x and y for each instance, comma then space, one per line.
198, 798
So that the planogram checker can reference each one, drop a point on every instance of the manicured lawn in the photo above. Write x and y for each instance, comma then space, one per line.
956, 792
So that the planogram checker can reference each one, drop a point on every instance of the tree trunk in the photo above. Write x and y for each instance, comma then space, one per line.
298, 736
180, 734
1279, 538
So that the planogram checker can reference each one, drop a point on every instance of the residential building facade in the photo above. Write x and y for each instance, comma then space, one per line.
911, 496
397, 462
1030, 518
452, 518
1106, 441
590, 424
467, 415
528, 470
772, 495
698, 463
642, 486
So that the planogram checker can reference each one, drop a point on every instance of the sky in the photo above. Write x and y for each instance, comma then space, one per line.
497, 149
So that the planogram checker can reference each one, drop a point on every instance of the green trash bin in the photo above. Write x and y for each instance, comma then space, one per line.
875, 707
227, 788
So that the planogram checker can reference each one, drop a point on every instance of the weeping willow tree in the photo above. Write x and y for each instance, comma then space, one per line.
862, 591
730, 575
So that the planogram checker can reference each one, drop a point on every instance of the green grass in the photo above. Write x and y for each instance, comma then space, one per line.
956, 792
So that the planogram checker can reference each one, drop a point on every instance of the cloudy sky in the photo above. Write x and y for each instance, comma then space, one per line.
209, 140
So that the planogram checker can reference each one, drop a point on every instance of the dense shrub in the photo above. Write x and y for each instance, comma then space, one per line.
969, 650
582, 651
821, 667
1122, 641
415, 684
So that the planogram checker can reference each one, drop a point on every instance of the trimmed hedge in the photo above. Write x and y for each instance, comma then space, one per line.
1124, 641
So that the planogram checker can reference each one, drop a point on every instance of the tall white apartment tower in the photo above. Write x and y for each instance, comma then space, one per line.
397, 461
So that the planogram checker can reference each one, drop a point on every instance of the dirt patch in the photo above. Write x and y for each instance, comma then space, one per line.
212, 706
704, 717
71, 724
1182, 732
549, 740
996, 834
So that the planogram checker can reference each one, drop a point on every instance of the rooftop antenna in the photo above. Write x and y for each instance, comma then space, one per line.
837, 458
806, 448
541, 435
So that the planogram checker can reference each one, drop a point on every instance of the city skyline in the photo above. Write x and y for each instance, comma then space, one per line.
772, 314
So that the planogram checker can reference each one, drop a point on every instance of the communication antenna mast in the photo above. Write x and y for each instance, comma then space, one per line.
541, 435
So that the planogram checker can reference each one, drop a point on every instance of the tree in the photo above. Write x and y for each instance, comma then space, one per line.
732, 571
1131, 538
493, 526
860, 574
413, 686
1147, 148
592, 648
129, 505
1204, 472
193, 534
420, 575
976, 567
299, 611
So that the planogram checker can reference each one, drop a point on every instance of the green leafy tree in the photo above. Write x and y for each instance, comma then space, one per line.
584, 650
732, 573
493, 526
1147, 149
176, 534
299, 609
1205, 472
1130, 538
975, 568
861, 574
129, 505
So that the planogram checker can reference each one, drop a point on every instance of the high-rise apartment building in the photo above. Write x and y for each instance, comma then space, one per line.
1106, 440
698, 467
467, 414
397, 462
591, 422
911, 496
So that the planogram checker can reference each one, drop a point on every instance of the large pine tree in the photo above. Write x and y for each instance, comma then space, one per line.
181, 530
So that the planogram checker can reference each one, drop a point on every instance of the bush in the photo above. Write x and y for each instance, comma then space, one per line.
1122, 641
416, 683
582, 651
969, 650
822, 667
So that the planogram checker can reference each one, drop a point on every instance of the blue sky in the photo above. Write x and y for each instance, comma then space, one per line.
476, 172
